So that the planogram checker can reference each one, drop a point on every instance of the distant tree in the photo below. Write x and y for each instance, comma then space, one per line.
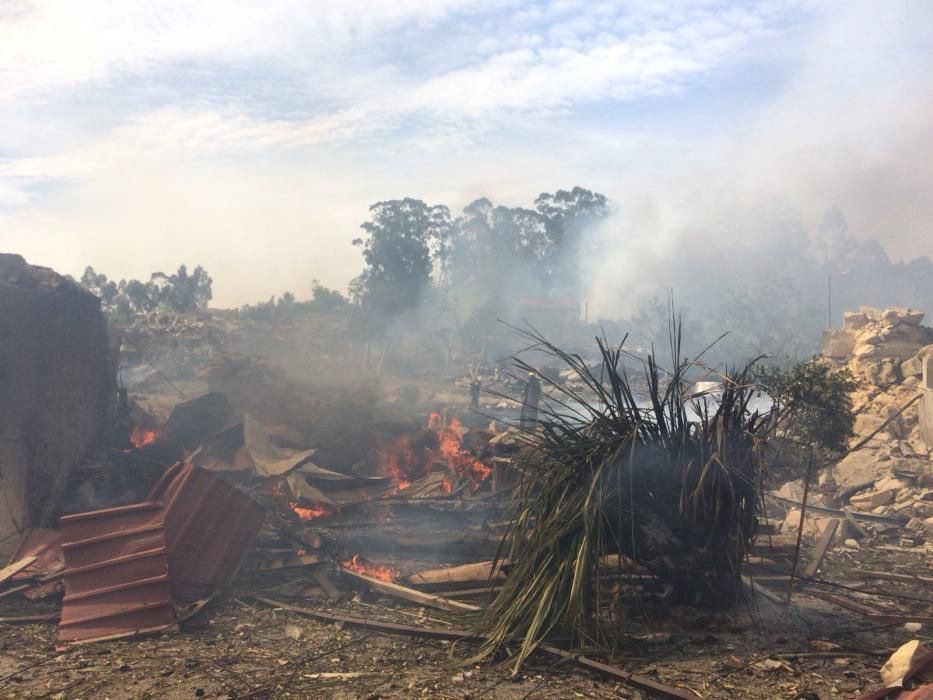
406, 241
184, 292
328, 301
568, 215
98, 284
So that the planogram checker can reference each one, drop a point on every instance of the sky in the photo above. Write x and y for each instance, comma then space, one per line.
251, 137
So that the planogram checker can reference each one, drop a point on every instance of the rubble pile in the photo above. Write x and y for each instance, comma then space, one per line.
892, 474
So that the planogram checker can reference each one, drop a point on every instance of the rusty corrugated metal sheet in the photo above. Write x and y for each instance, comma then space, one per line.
123, 565
116, 573
209, 527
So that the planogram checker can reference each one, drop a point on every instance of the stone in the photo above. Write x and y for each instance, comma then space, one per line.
838, 344
851, 544
813, 525
869, 500
887, 374
854, 320
912, 367
866, 424
896, 667
858, 467
792, 490
922, 509
912, 318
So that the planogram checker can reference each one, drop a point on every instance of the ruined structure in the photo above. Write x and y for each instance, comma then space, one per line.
57, 384
889, 351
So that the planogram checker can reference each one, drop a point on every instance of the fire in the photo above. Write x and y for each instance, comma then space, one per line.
311, 513
459, 460
361, 566
402, 460
446, 486
398, 461
143, 437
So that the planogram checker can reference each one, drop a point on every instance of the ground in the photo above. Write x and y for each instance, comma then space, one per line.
241, 648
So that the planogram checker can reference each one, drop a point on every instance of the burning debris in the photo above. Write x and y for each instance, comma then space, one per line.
359, 565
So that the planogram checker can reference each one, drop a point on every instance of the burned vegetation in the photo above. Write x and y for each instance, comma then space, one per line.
617, 488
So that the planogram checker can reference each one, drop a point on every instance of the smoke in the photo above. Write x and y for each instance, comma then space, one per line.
852, 127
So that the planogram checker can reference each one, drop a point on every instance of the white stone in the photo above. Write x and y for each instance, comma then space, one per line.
894, 669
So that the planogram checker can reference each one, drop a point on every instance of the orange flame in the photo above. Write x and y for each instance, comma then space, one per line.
458, 460
377, 571
311, 513
398, 461
143, 437
446, 486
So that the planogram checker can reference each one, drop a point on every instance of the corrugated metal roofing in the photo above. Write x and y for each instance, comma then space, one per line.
116, 573
209, 527
123, 565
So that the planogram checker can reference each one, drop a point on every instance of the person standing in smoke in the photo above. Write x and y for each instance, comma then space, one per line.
530, 398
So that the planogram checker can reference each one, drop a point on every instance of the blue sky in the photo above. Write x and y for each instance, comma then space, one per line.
251, 137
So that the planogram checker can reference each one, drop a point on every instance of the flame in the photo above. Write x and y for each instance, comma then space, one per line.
377, 571
143, 437
311, 513
398, 461
402, 462
446, 486
459, 460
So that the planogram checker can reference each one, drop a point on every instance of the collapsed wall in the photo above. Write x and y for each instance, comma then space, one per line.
887, 351
57, 383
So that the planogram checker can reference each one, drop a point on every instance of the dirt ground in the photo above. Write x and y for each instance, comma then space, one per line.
240, 648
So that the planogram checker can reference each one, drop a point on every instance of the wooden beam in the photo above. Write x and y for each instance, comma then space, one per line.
10, 571
290, 562
323, 580
398, 591
826, 539
468, 573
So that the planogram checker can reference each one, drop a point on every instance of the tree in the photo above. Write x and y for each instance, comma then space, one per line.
327, 301
567, 215
813, 403
406, 243
100, 286
184, 292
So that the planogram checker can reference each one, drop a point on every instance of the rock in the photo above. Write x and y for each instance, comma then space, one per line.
912, 367
912, 318
866, 424
838, 344
854, 320
887, 374
922, 509
851, 544
813, 526
894, 669
859, 467
866, 352
870, 500
792, 490
926, 496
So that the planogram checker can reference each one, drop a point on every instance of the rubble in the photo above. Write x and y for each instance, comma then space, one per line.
885, 350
